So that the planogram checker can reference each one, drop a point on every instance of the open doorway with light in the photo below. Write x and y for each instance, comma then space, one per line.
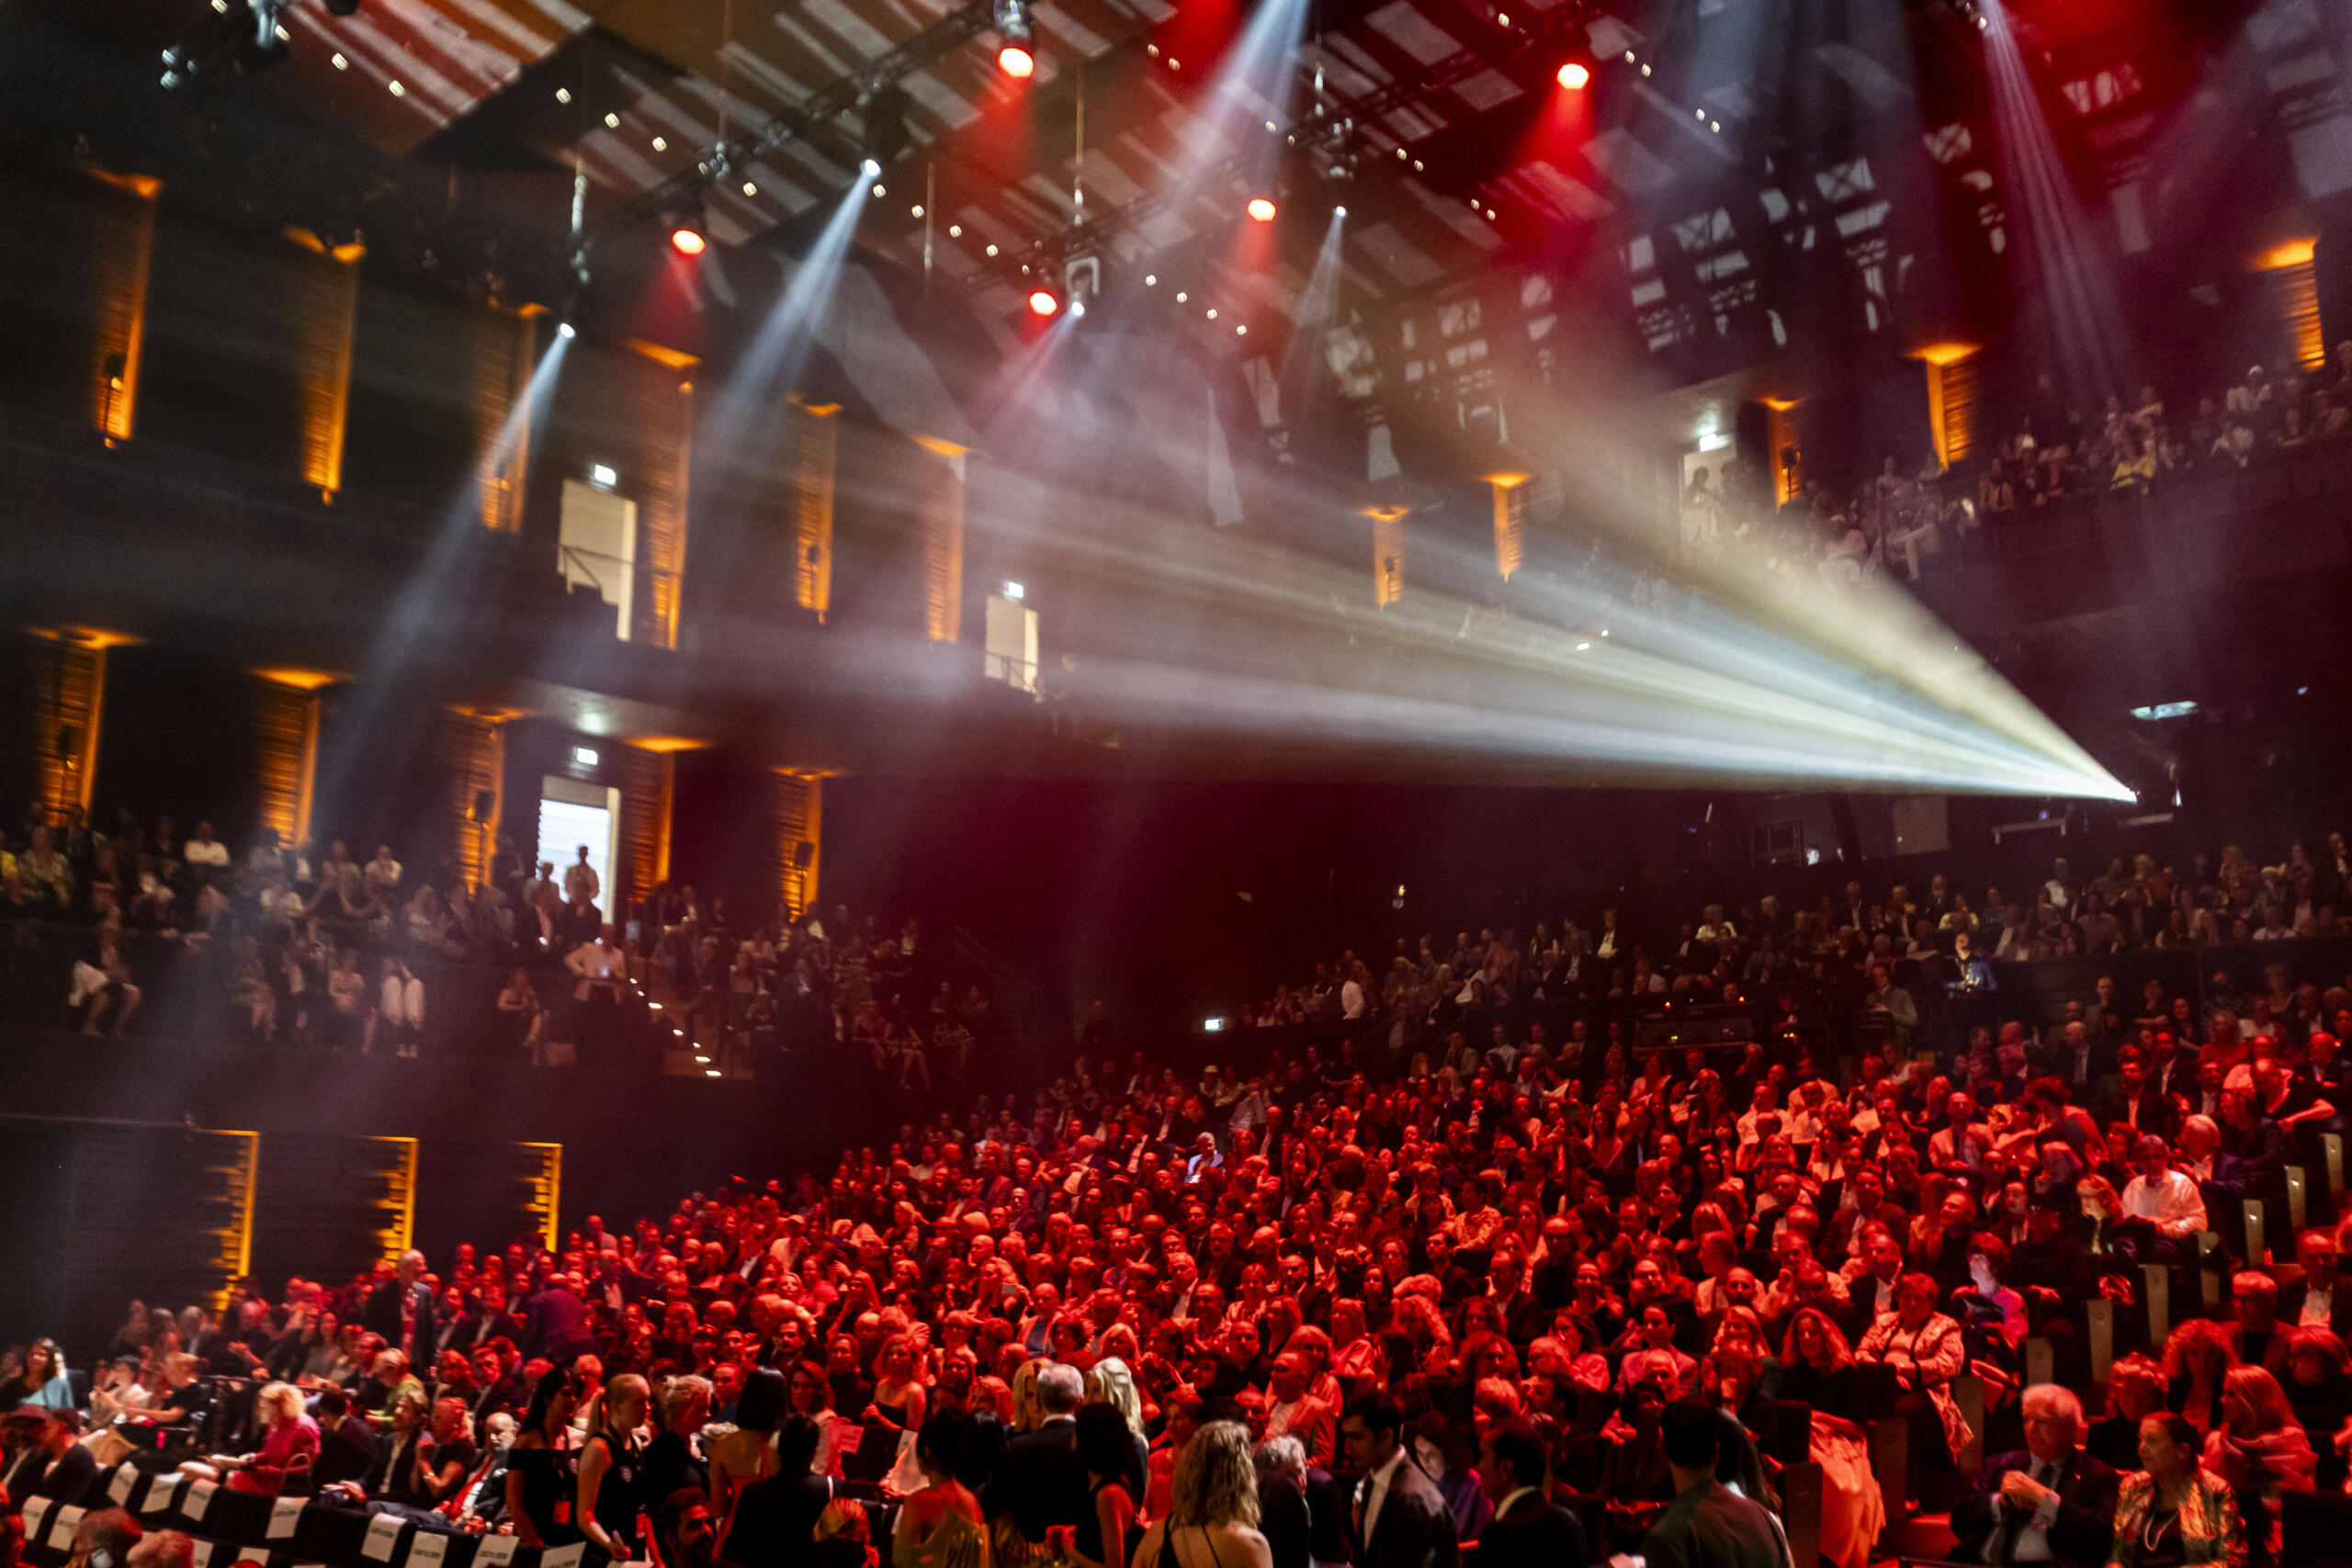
572, 813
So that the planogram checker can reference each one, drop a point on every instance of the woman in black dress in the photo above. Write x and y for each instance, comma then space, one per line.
1106, 1534
612, 1469
538, 1468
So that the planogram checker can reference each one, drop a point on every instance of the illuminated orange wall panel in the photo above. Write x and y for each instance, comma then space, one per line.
799, 820
287, 756
501, 349
69, 701
120, 263
942, 525
477, 754
664, 411
326, 314
816, 443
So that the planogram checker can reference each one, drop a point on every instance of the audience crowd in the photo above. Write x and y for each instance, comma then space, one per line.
2053, 452
1849, 950
1545, 1302
284, 944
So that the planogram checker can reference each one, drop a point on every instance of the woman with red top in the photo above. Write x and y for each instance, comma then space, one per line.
289, 1445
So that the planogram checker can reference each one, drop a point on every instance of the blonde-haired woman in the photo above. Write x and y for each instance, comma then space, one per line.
1213, 1517
612, 1467
2261, 1450
1026, 1416
1108, 1382
289, 1443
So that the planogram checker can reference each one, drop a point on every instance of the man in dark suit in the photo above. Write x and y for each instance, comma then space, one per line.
2050, 1502
2315, 1250
498, 1373
1401, 1520
1528, 1531
401, 1309
2136, 1099
776, 1520
1040, 1482
1708, 1525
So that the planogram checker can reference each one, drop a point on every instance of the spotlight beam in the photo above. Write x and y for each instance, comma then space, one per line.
407, 626
776, 354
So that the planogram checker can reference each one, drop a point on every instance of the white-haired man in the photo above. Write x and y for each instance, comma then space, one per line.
2052, 1503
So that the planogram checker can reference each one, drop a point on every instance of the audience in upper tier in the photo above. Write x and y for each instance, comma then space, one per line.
1518, 1298
301, 948
2050, 452
1869, 951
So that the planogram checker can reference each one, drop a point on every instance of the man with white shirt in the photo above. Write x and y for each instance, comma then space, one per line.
2049, 1504
383, 874
1401, 1520
580, 883
2162, 1204
1529, 1530
206, 856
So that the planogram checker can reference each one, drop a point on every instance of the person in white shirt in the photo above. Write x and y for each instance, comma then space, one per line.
1352, 992
205, 851
2164, 1201
580, 883
383, 874
400, 1015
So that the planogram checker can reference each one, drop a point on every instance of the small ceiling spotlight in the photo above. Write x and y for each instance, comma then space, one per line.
1016, 40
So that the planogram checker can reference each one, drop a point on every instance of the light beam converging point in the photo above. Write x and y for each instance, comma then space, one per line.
1738, 669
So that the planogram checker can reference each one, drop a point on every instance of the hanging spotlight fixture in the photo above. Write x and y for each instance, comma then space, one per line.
1016, 39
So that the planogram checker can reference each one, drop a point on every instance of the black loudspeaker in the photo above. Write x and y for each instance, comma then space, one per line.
485, 802
804, 855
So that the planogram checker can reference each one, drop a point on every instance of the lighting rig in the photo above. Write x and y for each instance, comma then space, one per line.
238, 39
1328, 134
869, 88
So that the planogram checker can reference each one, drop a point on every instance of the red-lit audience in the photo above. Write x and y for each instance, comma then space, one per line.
1436, 1306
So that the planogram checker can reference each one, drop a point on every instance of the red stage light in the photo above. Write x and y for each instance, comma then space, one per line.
1261, 209
688, 242
1042, 302
1015, 61
1574, 76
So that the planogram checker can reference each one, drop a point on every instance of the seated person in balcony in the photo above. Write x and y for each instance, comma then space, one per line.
103, 980
399, 1016
1887, 1008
